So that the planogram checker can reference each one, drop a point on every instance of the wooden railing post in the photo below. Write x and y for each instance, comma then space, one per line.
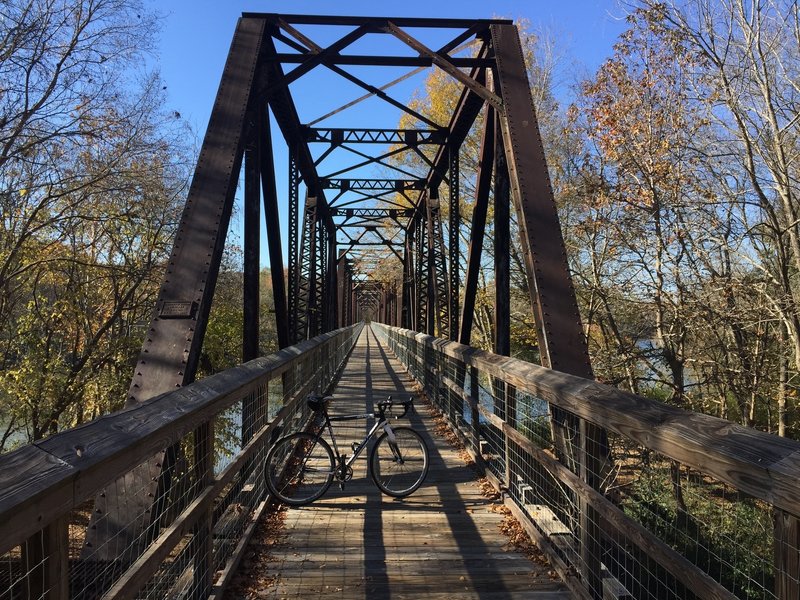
202, 538
510, 406
45, 557
787, 555
475, 398
590, 530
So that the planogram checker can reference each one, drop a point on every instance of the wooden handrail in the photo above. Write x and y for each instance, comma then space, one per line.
45, 480
760, 464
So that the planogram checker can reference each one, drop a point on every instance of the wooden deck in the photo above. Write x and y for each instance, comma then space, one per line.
443, 541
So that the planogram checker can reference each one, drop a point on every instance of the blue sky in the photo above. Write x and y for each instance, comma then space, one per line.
195, 37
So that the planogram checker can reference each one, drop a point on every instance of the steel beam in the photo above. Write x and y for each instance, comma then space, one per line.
307, 272
445, 63
171, 349
558, 322
562, 345
454, 242
502, 247
478, 228
252, 236
356, 21
272, 218
384, 61
294, 267
467, 109
285, 112
410, 137
389, 185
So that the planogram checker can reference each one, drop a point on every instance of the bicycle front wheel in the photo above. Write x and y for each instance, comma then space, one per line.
398, 468
299, 469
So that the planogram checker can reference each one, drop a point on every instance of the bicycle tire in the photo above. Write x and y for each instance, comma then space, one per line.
299, 468
399, 476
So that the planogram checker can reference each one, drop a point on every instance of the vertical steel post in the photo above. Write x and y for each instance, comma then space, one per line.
331, 303
478, 228
251, 270
341, 290
307, 272
421, 304
272, 219
502, 233
454, 242
431, 203
252, 236
294, 233
408, 278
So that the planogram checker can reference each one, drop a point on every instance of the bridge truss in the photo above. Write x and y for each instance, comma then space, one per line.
370, 233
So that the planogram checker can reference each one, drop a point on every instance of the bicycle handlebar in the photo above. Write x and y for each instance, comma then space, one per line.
388, 403
317, 402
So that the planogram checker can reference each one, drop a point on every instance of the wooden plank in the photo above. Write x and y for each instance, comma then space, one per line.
546, 520
491, 417
35, 486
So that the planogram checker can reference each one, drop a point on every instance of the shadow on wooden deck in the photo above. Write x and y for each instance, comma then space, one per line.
443, 541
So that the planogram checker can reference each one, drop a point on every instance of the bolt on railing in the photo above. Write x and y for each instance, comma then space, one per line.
215, 434
684, 505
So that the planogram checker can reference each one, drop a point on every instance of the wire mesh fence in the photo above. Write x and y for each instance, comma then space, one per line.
205, 472
630, 497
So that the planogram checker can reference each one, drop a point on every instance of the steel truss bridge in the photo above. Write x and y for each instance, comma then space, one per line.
625, 495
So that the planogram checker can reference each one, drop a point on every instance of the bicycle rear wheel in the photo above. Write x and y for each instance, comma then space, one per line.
299, 469
399, 468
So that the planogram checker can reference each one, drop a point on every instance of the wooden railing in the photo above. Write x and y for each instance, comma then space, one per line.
689, 505
188, 539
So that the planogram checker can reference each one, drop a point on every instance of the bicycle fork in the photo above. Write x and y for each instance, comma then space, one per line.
393, 444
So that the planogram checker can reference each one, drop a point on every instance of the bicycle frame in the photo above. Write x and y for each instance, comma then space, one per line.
381, 422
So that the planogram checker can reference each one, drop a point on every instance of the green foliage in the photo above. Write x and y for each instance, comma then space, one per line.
725, 533
92, 169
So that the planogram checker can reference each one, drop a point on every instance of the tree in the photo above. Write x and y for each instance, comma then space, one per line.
92, 170
749, 85
637, 224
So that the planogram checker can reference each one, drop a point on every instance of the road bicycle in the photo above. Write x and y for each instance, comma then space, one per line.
301, 467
